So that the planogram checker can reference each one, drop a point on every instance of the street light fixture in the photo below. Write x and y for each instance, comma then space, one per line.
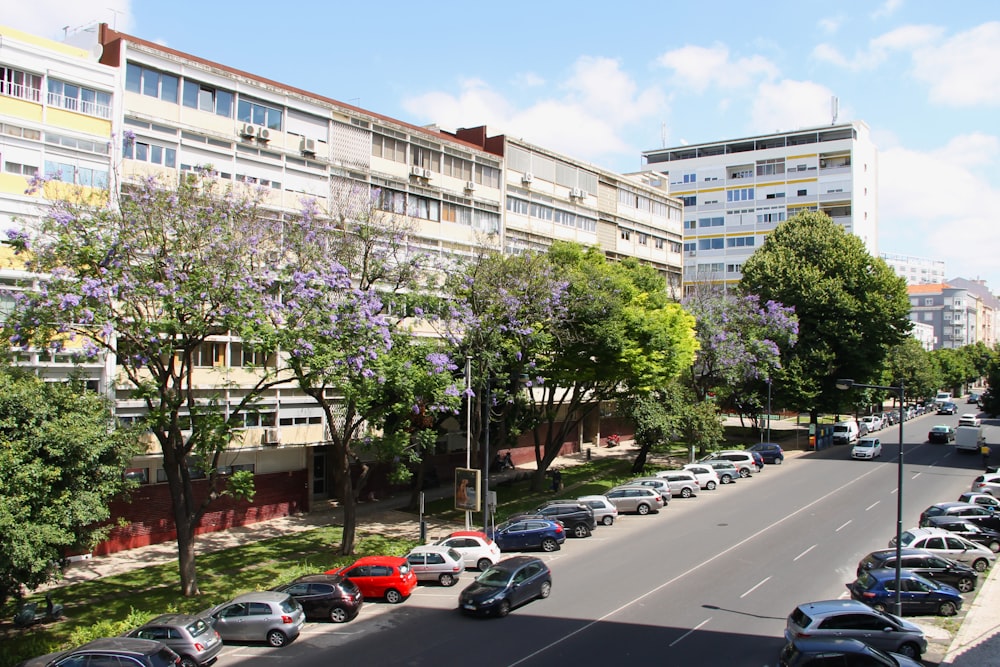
849, 384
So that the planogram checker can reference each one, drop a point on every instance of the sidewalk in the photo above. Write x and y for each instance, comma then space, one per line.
977, 642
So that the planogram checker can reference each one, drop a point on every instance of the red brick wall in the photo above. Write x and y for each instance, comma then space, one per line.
150, 519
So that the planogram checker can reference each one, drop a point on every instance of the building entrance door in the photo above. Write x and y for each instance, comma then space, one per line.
319, 486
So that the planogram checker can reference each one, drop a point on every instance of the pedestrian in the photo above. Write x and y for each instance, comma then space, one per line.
985, 451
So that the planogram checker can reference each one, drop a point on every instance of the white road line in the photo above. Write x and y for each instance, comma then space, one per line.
697, 627
804, 553
690, 570
763, 581
872, 505
915, 476
843, 525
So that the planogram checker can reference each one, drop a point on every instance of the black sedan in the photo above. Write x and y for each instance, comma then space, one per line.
326, 596
508, 584
941, 433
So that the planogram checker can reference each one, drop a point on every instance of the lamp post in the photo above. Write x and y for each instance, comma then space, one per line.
849, 384
769, 409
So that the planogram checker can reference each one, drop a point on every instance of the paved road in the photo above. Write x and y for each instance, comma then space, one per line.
708, 581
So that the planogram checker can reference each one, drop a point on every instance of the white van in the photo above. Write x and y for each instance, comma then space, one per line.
845, 433
969, 438
942, 397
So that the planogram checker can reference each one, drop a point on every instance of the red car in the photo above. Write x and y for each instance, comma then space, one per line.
388, 577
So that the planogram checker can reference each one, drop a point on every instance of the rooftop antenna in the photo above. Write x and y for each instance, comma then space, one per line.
834, 109
663, 135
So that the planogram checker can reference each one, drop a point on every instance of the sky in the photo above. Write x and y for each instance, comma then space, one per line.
602, 82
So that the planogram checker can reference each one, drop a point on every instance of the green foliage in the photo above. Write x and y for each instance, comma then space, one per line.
61, 463
850, 306
955, 367
917, 368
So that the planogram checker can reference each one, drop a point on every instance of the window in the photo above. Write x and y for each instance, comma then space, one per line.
206, 98
770, 167
801, 193
138, 475
458, 214
15, 83
456, 167
690, 246
389, 148
710, 244
249, 111
78, 98
929, 301
740, 242
425, 158
423, 208
690, 201
626, 235
739, 194
153, 153
712, 222
690, 178
149, 82
690, 224
488, 176
68, 173
21, 169
734, 268
928, 317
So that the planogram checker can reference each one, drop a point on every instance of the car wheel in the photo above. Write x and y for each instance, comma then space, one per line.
483, 564
503, 608
338, 615
994, 546
607, 520
910, 650
392, 596
580, 530
546, 590
744, 473
710, 486
980, 565
727, 479
686, 492
447, 579
878, 606
965, 584
276, 638
642, 509
549, 544
187, 661
947, 608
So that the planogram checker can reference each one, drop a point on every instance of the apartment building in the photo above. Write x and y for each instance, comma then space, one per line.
736, 191
987, 309
916, 270
952, 311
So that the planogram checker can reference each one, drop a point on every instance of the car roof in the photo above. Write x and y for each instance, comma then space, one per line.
930, 530
833, 607
468, 533
319, 579
124, 644
589, 498
172, 619
953, 504
430, 548
831, 644
941, 427
260, 596
634, 486
885, 554
377, 560
514, 562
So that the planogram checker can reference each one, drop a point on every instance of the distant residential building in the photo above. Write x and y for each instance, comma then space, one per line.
736, 191
952, 312
916, 270
924, 333
988, 309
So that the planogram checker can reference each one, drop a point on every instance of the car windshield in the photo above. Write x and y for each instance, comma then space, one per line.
865, 443
866, 580
197, 628
289, 605
494, 576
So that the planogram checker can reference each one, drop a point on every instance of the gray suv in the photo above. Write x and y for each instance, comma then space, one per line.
576, 517
191, 637
855, 620
123, 651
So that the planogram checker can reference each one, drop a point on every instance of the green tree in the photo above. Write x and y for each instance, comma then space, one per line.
917, 368
850, 306
956, 367
61, 463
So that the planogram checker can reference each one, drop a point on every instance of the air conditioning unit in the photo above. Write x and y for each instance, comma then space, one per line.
263, 134
417, 171
577, 193
470, 185
272, 436
307, 146
427, 173
528, 177
248, 130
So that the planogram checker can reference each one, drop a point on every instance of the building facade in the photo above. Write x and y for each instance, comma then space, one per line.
987, 309
953, 313
916, 270
735, 192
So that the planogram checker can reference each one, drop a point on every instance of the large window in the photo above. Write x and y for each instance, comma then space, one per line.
712, 222
206, 98
250, 111
739, 194
389, 148
149, 82
78, 175
423, 208
740, 242
710, 244
488, 176
149, 152
425, 158
16, 83
78, 98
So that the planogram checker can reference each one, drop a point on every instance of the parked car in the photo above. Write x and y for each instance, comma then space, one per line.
984, 499
725, 469
744, 461
387, 577
924, 563
947, 408
970, 530
529, 534
971, 511
327, 596
873, 422
987, 483
144, 652
705, 474
770, 452
638, 499
757, 459
877, 589
682, 482
476, 548
190, 637
948, 545
828, 652
576, 517
433, 563
941, 433
972, 398
846, 433
604, 510
268, 616
969, 419
867, 448
509, 583
851, 619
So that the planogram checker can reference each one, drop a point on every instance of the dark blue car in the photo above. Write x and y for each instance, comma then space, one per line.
505, 585
524, 534
770, 452
877, 589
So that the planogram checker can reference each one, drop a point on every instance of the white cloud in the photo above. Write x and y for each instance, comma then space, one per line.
906, 38
51, 18
788, 105
887, 9
831, 24
962, 70
528, 80
697, 68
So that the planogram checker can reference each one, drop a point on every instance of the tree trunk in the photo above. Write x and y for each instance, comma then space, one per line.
345, 494
186, 554
639, 465
185, 516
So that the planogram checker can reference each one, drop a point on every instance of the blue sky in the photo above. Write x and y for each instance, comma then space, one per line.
602, 82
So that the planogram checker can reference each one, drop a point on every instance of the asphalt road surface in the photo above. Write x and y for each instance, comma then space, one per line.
707, 581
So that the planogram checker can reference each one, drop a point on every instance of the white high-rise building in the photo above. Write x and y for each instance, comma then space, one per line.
916, 270
736, 191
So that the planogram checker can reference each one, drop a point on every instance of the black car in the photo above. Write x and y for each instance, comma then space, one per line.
928, 565
981, 515
576, 517
327, 596
947, 409
770, 452
970, 530
111, 651
824, 652
506, 585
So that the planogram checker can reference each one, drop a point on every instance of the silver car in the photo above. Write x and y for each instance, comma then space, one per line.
949, 545
269, 616
605, 511
638, 499
191, 637
682, 483
855, 620
661, 485
436, 563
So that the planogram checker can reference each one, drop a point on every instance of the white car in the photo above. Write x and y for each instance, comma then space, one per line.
969, 419
605, 511
945, 543
433, 562
872, 422
987, 483
477, 550
867, 448
705, 474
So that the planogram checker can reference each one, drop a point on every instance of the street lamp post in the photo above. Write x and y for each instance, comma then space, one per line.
769, 409
849, 384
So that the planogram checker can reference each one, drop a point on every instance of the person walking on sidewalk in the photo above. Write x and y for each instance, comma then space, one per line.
985, 451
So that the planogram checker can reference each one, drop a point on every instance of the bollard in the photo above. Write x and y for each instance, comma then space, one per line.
588, 453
